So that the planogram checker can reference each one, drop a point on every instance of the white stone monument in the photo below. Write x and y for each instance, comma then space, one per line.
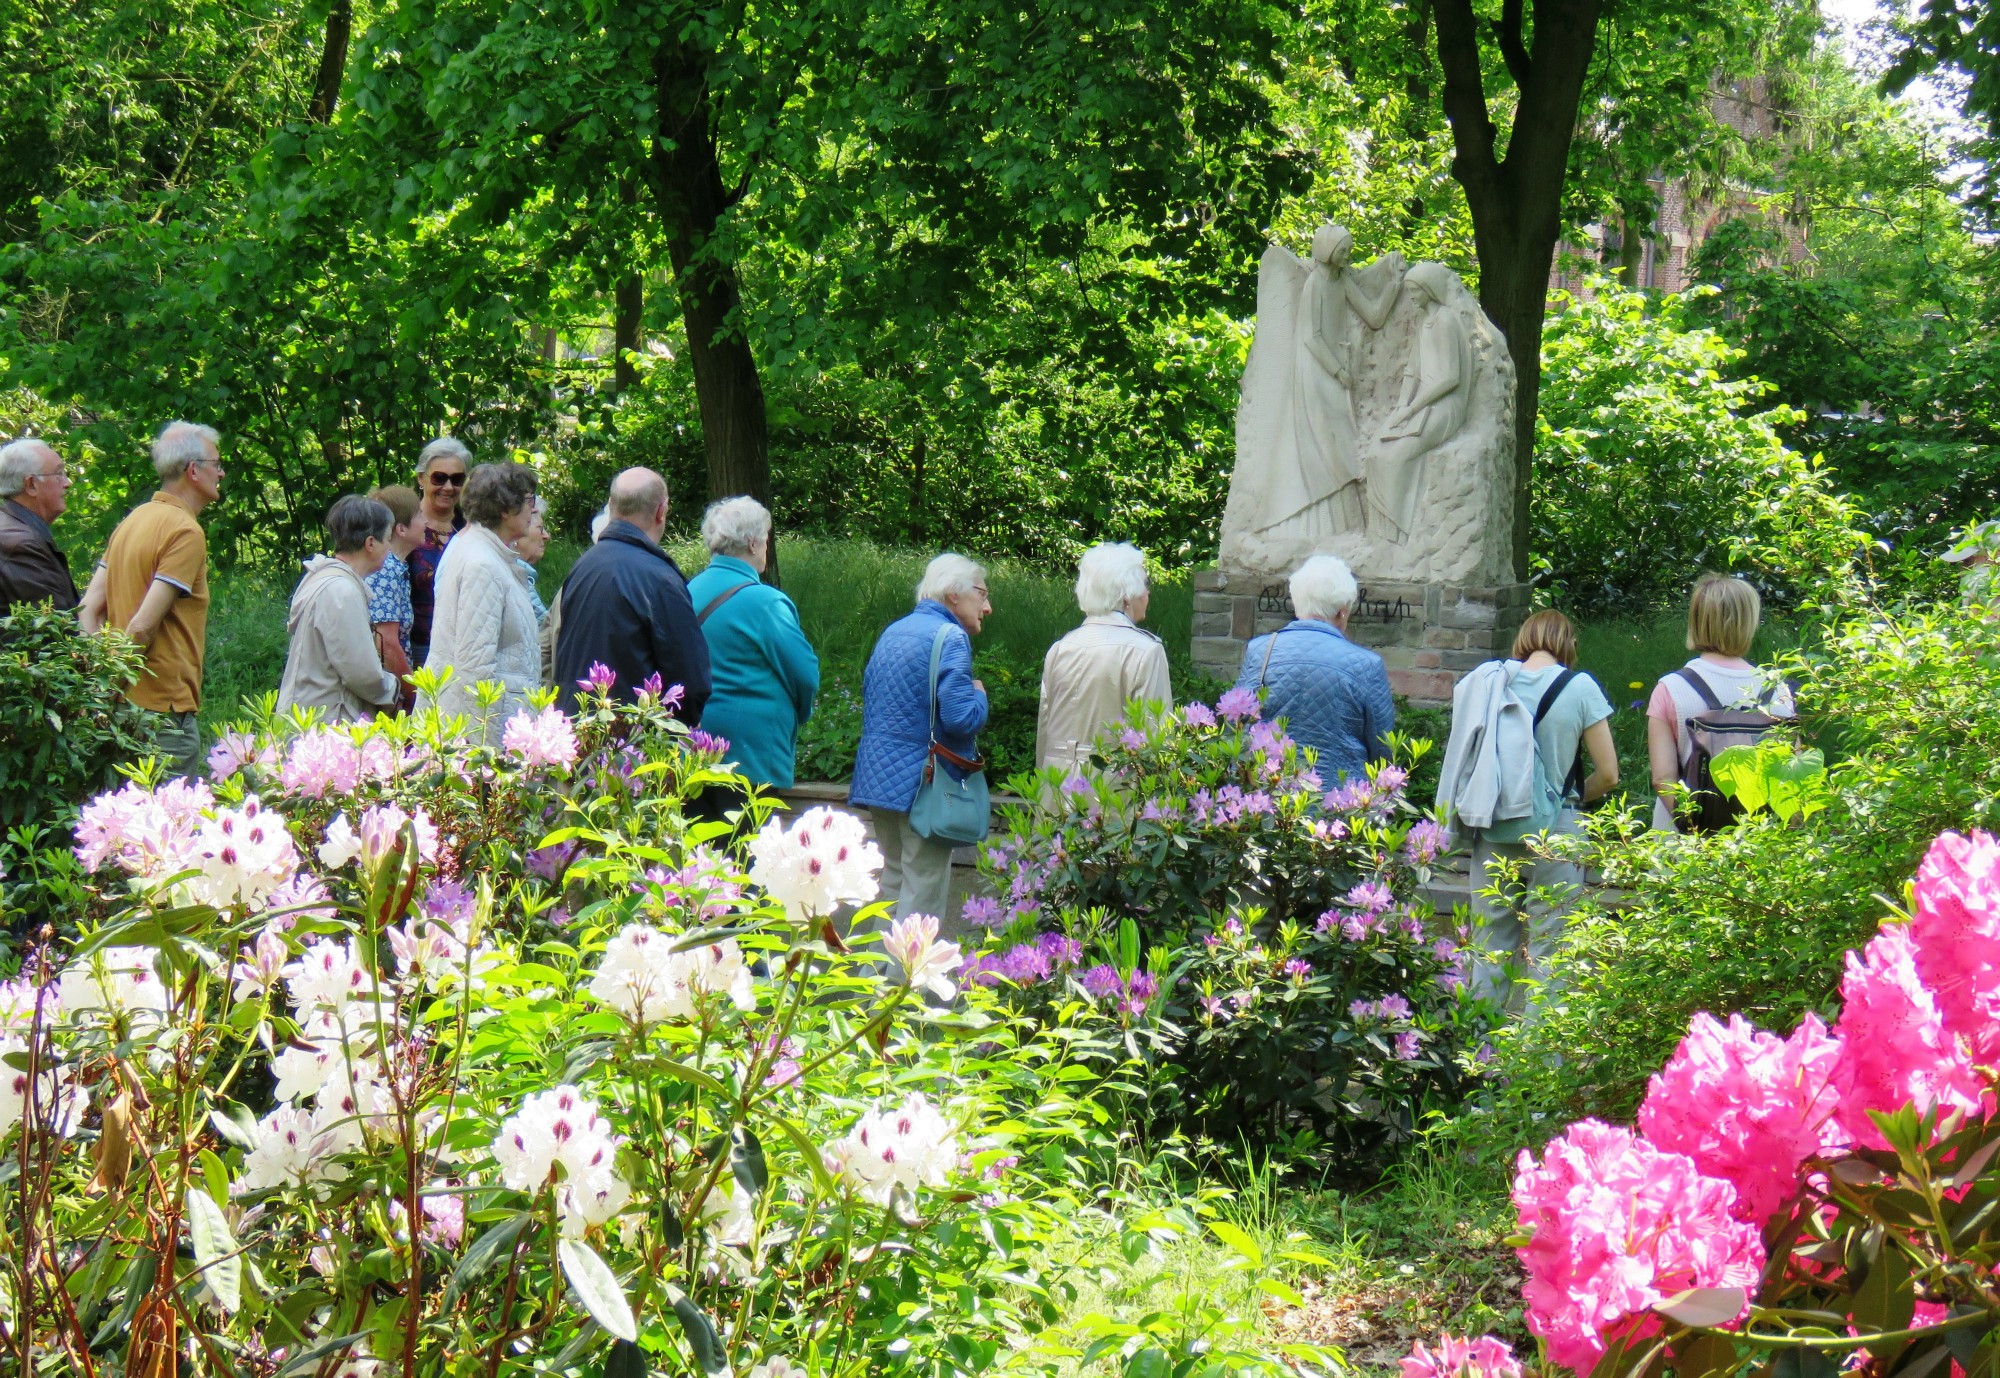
1375, 422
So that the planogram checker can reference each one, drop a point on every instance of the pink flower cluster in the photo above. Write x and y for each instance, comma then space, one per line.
541, 740
1732, 1123
1484, 1357
1618, 1227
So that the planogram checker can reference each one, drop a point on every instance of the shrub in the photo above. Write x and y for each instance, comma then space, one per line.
1295, 989
1795, 1203
65, 723
396, 1049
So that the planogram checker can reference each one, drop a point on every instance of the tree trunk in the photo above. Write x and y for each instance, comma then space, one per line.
1516, 201
627, 333
919, 519
687, 185
1631, 247
332, 62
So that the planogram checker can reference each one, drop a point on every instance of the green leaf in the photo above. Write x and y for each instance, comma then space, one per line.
598, 1288
626, 1360
215, 1249
484, 1253
807, 1150
705, 1344
1239, 1240
308, 1360
746, 1161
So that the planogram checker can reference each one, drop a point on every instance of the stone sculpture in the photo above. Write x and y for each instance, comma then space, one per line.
1375, 422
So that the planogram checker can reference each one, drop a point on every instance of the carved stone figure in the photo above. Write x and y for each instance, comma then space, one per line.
1433, 410
1375, 422
1311, 315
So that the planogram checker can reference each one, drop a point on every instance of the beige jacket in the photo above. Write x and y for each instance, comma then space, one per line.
1089, 677
484, 629
332, 664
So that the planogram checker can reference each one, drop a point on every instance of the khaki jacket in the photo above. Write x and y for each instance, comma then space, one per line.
1088, 678
333, 664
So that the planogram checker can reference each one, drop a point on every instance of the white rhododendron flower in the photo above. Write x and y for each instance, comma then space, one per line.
382, 825
263, 964
328, 976
643, 979
823, 862
244, 854
910, 1146
926, 962
561, 1128
342, 843
118, 980
779, 1367
293, 1149
59, 1102
733, 1212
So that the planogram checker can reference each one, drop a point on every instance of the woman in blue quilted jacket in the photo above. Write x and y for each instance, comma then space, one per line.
896, 736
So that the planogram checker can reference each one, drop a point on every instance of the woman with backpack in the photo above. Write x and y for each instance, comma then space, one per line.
1513, 793
1715, 700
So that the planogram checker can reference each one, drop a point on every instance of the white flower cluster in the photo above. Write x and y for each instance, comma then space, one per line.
823, 862
380, 827
561, 1128
118, 981
59, 1102
643, 979
910, 1146
239, 856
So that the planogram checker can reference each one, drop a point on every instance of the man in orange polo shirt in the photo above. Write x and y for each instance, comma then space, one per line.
153, 585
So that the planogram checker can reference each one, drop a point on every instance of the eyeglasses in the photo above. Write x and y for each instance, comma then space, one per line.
52, 475
447, 480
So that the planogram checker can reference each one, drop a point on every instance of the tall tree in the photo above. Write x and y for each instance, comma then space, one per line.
957, 128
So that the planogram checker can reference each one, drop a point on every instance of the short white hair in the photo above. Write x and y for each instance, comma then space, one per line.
1323, 587
441, 448
1108, 577
950, 574
733, 525
181, 443
21, 460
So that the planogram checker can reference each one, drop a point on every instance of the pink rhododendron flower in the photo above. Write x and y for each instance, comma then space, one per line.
322, 762
1235, 705
1617, 1227
234, 751
540, 739
1484, 1357
1956, 930
1747, 1106
1895, 1048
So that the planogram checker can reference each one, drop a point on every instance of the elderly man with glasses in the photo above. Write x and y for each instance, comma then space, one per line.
34, 488
152, 584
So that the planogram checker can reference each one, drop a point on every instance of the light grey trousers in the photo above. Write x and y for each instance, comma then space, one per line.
1518, 936
916, 872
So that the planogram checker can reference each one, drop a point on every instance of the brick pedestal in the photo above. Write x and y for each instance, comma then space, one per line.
1427, 634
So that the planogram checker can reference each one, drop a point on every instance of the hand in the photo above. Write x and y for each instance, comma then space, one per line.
980, 685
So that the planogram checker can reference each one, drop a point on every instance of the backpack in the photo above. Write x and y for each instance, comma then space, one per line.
1708, 734
1546, 798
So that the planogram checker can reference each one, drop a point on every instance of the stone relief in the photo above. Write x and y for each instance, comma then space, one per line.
1375, 422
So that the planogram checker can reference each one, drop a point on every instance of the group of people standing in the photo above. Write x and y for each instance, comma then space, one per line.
442, 576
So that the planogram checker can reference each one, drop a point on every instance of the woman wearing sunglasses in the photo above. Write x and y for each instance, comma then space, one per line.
440, 480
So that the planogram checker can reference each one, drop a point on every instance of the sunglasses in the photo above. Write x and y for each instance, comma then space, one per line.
447, 480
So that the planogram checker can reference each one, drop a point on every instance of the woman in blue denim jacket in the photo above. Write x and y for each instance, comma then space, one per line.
895, 733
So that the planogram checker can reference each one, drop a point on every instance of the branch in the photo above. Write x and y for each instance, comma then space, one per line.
1465, 102
1508, 31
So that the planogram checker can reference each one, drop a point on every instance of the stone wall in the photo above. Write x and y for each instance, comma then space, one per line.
1427, 634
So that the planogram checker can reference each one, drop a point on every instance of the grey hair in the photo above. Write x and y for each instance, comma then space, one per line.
21, 460
733, 525
353, 519
949, 574
442, 448
1108, 577
1323, 587
181, 443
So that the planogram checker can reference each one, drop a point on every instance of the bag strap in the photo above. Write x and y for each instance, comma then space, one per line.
1701, 687
1553, 693
702, 617
1573, 782
1265, 668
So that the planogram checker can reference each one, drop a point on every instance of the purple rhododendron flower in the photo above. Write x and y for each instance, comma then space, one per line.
448, 901
1062, 950
1328, 921
983, 910
1198, 715
1132, 739
1237, 704
1351, 797
1391, 778
1371, 897
708, 742
1101, 981
1426, 843
599, 679
1298, 969
1407, 1047
1075, 784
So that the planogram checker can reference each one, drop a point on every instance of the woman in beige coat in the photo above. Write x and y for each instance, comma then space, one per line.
485, 626
1091, 675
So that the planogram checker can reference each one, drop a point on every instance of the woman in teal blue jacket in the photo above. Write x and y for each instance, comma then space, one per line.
766, 674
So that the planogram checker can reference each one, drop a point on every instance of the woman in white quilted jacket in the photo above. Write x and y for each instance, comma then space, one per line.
485, 627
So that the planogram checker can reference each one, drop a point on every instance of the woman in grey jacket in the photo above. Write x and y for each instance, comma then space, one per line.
485, 628
332, 663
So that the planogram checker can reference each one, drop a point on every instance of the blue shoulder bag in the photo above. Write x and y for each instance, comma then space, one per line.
955, 812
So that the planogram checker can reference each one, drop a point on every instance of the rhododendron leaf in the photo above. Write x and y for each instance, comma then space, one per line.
1965, 1341
1885, 1301
1150, 1362
307, 1361
1973, 1166
215, 1252
746, 1161
626, 1360
1705, 1306
484, 1253
1804, 1363
1284, 1293
138, 1281
598, 1288
235, 1123
807, 1150
706, 937
705, 1344
1704, 1356
682, 1072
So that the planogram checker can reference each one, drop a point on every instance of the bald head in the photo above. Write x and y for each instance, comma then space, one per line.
639, 496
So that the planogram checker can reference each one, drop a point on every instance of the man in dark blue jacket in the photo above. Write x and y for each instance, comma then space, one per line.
625, 605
